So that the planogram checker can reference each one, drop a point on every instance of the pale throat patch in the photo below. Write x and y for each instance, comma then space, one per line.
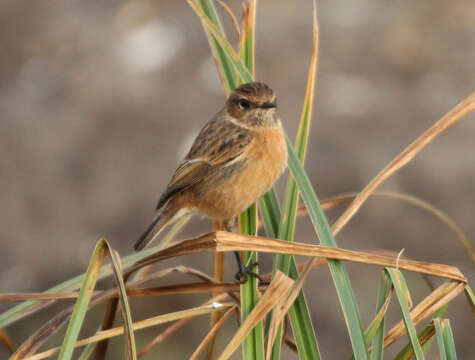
275, 123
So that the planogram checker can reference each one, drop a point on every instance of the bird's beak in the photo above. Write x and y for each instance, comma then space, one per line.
268, 105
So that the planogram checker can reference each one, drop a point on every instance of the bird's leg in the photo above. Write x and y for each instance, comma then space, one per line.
244, 271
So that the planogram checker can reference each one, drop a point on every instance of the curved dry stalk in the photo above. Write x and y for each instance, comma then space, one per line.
338, 200
462, 109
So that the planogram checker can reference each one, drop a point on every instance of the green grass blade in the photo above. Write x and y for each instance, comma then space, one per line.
470, 297
378, 339
301, 323
300, 319
440, 339
425, 336
337, 268
225, 66
82, 301
270, 212
213, 29
402, 293
449, 340
253, 344
375, 331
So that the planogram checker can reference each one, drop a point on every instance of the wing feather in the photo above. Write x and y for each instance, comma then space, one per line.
219, 144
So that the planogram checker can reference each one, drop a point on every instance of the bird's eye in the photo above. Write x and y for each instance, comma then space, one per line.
244, 104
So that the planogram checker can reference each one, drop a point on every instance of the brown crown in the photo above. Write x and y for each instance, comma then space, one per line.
255, 92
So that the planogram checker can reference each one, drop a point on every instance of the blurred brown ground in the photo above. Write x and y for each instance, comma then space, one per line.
100, 100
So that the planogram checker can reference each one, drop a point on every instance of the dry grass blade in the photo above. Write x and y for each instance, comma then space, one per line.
338, 200
279, 287
7, 341
225, 241
283, 306
233, 18
219, 277
212, 334
438, 298
13, 297
231, 242
202, 243
462, 109
157, 320
176, 326
133, 291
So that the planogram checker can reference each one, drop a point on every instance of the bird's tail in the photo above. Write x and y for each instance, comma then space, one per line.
160, 222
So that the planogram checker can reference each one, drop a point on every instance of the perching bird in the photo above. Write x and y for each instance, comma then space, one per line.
236, 158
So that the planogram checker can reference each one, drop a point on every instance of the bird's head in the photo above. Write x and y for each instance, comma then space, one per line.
253, 105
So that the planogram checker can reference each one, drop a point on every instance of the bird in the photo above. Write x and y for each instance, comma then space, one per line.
235, 159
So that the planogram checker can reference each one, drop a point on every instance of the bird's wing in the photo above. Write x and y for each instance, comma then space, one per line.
220, 144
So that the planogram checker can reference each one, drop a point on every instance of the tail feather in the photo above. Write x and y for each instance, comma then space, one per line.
152, 231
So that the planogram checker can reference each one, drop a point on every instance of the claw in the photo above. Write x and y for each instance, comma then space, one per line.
244, 272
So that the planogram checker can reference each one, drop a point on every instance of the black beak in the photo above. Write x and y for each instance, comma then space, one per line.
268, 105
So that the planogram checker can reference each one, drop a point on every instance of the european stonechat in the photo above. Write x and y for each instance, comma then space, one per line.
236, 158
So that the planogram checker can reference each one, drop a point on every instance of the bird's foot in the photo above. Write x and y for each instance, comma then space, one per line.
245, 271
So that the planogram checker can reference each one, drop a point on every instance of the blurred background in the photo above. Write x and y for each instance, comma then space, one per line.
100, 100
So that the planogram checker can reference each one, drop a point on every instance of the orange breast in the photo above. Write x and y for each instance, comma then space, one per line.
266, 159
